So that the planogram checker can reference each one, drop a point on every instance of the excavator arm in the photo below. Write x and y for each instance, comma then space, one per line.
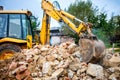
89, 47
51, 11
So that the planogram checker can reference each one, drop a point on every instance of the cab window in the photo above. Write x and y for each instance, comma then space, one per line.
26, 26
15, 26
3, 25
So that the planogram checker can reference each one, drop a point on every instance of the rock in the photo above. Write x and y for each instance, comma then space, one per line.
44, 49
46, 68
22, 63
72, 47
58, 72
13, 65
111, 70
89, 78
41, 60
74, 66
95, 71
55, 63
48, 78
19, 69
115, 60
83, 69
36, 51
25, 75
40, 74
50, 57
75, 78
111, 60
113, 77
78, 73
106, 60
76, 54
63, 64
36, 78
66, 78
34, 74
65, 55
70, 73
37, 47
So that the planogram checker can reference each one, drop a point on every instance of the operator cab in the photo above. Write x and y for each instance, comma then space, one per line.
15, 32
15, 24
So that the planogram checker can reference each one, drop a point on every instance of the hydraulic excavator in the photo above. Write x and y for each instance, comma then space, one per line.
90, 46
16, 31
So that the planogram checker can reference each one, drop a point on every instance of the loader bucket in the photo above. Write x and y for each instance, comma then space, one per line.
91, 49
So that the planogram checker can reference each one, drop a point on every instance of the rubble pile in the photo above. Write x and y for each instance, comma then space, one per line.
61, 62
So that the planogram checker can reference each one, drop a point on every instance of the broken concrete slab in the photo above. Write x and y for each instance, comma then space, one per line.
95, 71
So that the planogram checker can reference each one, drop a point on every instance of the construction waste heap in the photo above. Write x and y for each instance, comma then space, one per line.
62, 62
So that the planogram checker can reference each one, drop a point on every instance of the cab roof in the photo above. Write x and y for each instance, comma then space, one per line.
27, 12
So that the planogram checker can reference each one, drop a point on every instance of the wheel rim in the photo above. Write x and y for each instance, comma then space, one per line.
6, 54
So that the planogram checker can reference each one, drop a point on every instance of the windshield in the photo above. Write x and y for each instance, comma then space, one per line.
15, 26
19, 26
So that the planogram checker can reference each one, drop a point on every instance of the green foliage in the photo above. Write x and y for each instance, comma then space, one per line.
35, 23
82, 10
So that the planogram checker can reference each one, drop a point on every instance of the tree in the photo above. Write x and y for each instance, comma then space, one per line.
35, 23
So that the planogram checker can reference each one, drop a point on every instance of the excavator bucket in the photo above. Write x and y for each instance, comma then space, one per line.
91, 50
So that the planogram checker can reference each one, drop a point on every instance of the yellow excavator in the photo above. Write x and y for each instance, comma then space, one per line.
16, 31
90, 46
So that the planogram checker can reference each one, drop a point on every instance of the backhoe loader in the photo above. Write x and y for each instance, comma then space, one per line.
16, 32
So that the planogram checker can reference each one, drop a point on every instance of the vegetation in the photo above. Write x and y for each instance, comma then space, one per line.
35, 23
102, 27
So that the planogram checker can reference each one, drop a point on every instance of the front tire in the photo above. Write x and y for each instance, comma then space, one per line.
8, 50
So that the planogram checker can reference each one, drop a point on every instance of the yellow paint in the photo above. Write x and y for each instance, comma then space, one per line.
16, 12
7, 39
29, 41
6, 54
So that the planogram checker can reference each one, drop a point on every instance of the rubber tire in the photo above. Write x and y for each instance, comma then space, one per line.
9, 46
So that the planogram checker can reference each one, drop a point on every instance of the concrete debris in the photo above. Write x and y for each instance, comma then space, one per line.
95, 71
115, 58
61, 62
70, 74
112, 60
57, 73
46, 69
